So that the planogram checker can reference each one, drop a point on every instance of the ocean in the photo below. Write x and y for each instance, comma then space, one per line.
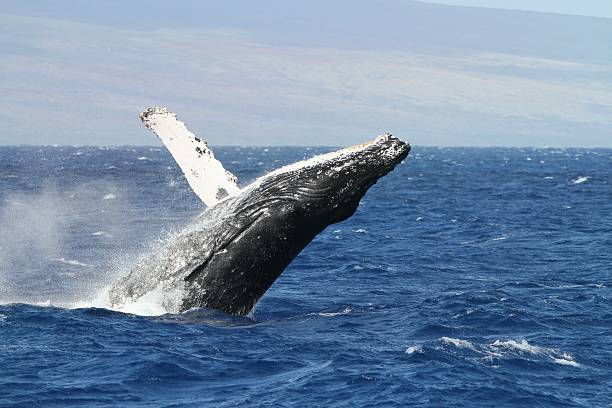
468, 277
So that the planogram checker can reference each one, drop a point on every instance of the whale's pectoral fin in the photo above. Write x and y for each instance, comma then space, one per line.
205, 174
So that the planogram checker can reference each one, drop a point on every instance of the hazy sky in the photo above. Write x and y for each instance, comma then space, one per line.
313, 73
595, 8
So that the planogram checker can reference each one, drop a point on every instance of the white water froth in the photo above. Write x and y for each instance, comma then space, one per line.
344, 311
580, 180
506, 348
35, 234
162, 300
457, 342
414, 349
163, 297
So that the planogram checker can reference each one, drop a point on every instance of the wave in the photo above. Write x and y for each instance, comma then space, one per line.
344, 311
523, 346
506, 349
414, 349
580, 180
457, 342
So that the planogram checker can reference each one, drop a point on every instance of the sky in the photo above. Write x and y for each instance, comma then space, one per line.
273, 72
593, 8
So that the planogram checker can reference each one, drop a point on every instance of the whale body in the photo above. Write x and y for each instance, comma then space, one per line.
229, 256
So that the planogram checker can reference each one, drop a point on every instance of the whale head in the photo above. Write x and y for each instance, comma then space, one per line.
270, 221
327, 188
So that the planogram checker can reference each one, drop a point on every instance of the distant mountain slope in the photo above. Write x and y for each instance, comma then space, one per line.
314, 72
389, 24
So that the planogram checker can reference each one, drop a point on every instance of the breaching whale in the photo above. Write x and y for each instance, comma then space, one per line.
234, 251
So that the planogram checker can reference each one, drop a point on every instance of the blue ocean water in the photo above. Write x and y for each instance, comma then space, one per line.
468, 277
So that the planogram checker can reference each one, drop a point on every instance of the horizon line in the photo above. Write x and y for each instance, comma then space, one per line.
307, 146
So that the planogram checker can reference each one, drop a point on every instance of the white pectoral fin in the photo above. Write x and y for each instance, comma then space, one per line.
205, 174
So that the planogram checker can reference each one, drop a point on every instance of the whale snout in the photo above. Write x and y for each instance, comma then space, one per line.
393, 147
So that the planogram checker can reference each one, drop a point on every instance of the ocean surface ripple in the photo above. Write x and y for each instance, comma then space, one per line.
468, 277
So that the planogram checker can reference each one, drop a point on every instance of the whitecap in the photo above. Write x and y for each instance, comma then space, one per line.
523, 346
109, 197
563, 361
344, 311
457, 342
580, 180
414, 349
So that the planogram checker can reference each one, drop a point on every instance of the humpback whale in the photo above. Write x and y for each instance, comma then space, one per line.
230, 255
